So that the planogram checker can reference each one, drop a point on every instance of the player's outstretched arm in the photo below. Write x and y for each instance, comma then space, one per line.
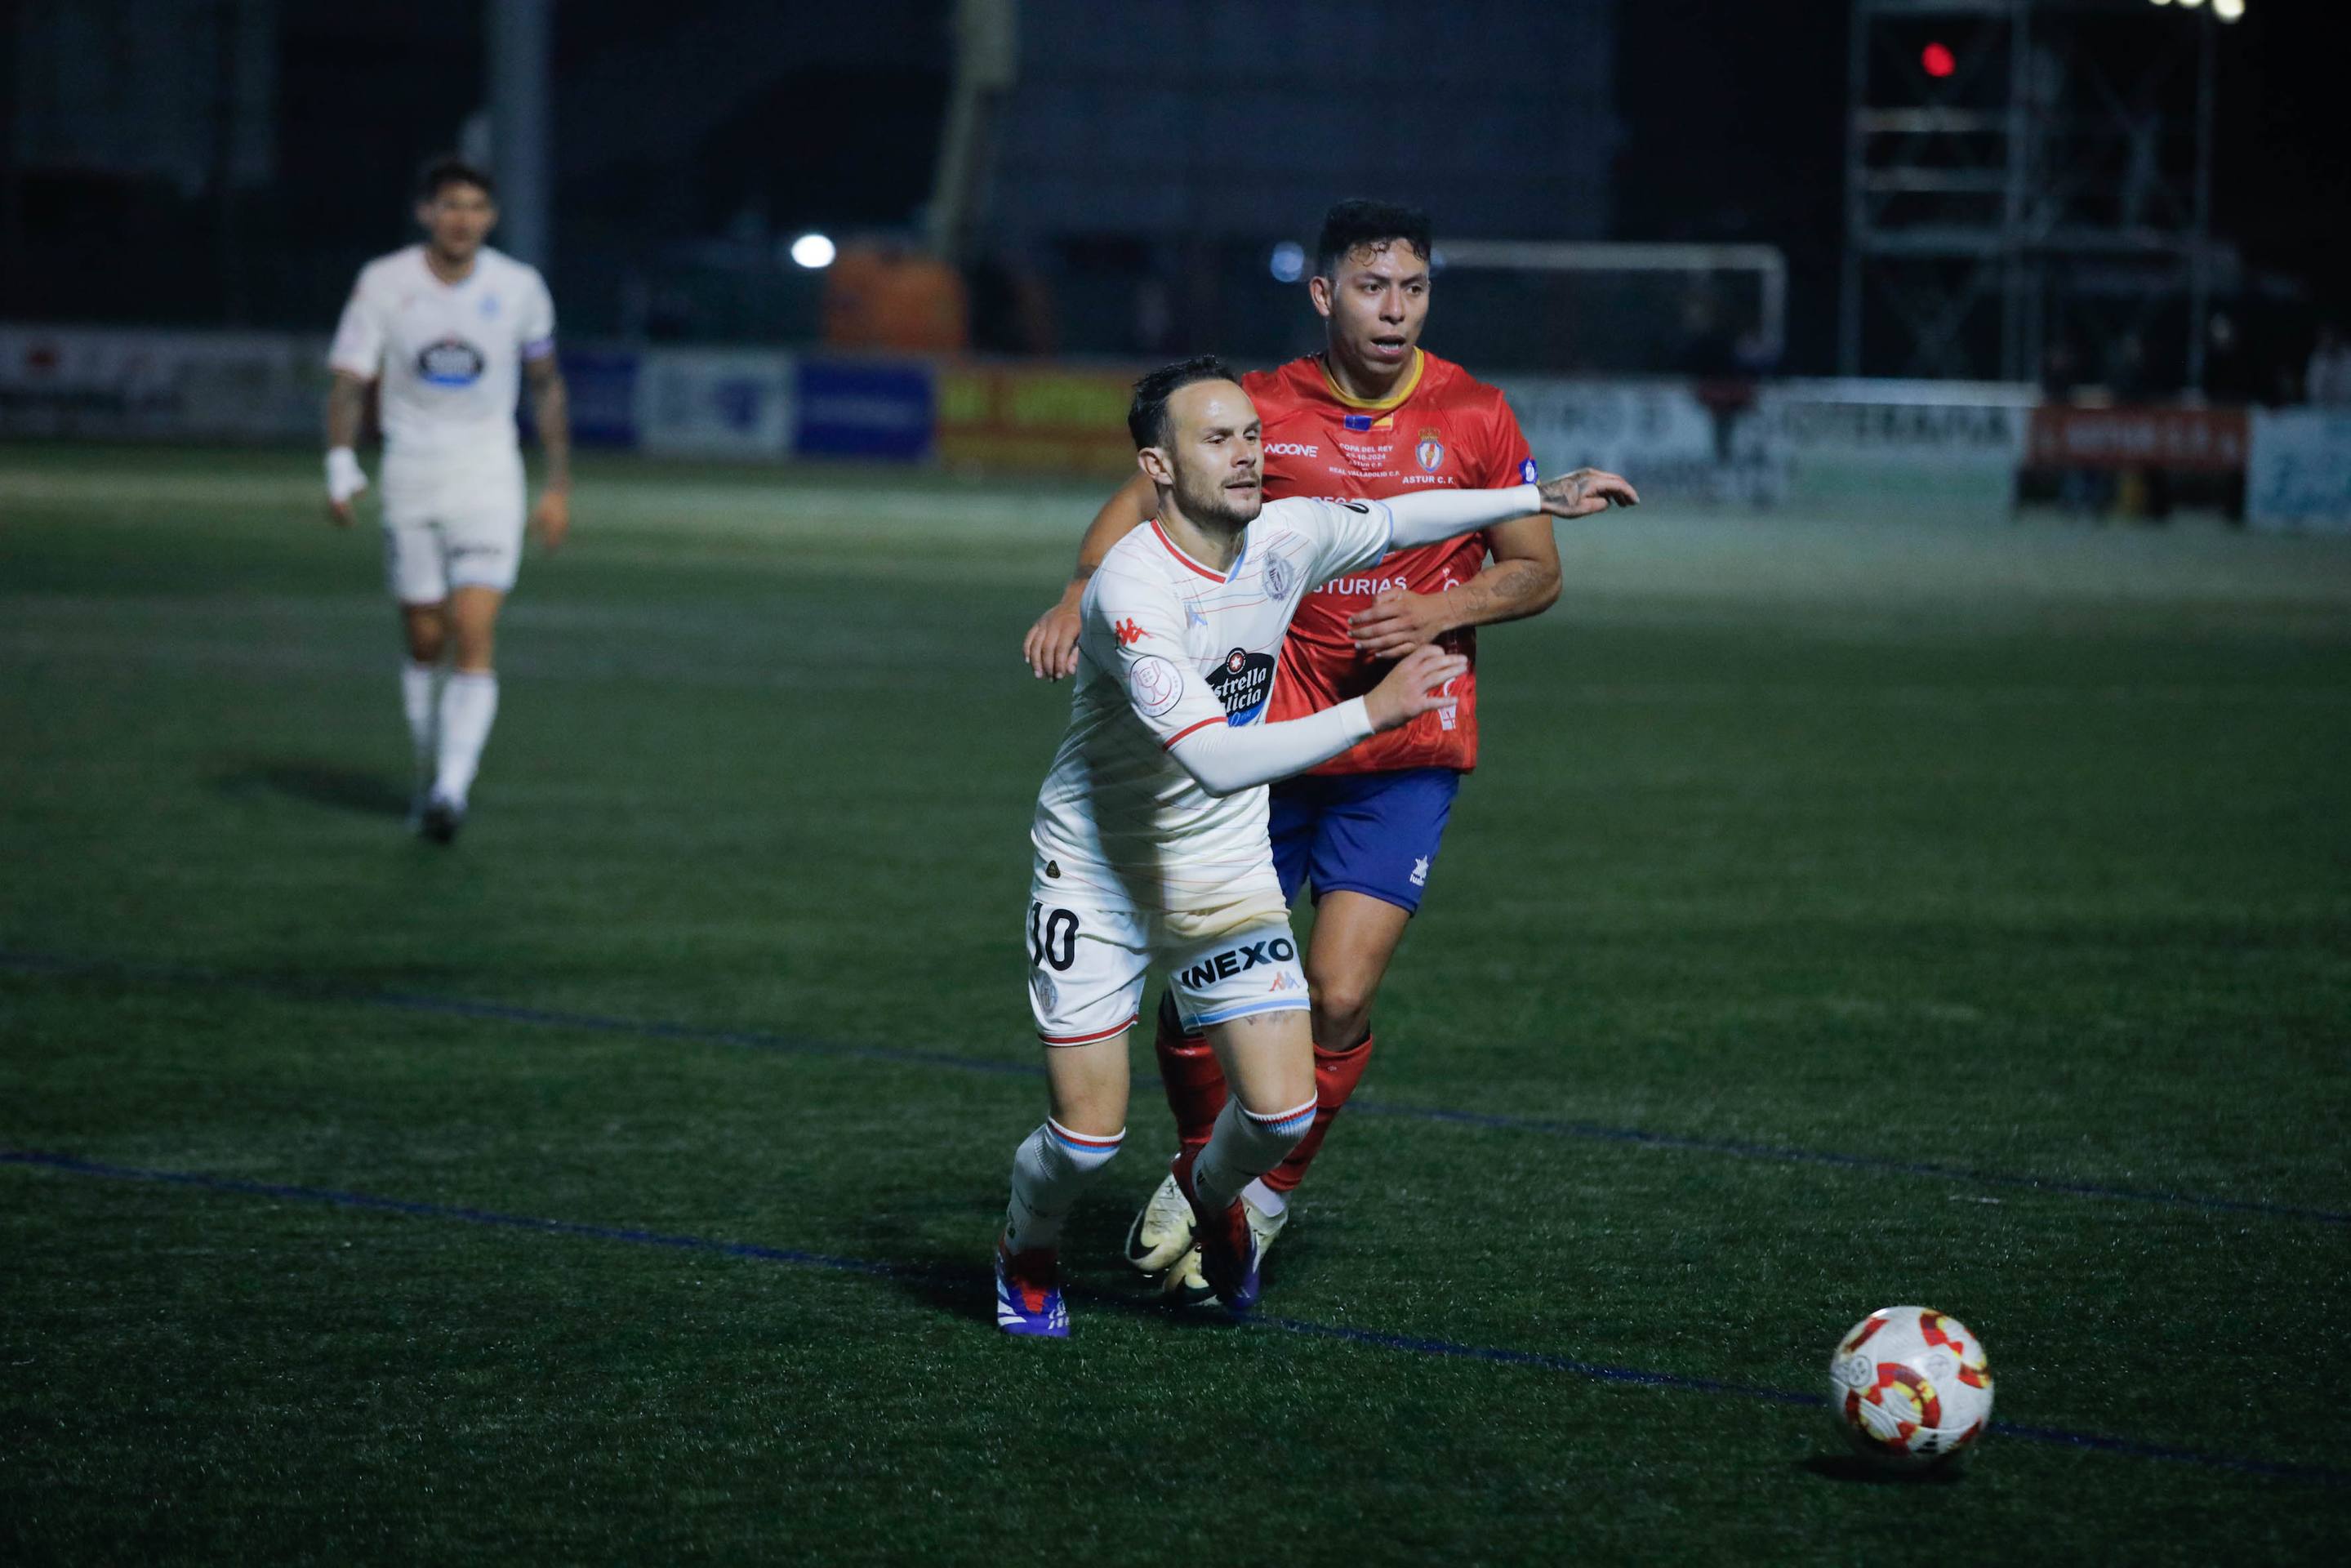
346, 407
1222, 760
551, 411
1429, 516
1051, 646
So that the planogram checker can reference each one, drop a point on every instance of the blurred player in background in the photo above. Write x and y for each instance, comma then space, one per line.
1150, 832
1372, 416
450, 327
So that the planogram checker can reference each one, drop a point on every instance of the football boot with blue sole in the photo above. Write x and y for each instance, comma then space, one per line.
1028, 1294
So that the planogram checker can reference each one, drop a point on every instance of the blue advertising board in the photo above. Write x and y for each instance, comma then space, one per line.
856, 408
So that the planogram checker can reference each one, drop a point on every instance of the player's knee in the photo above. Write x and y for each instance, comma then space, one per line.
1341, 1011
427, 631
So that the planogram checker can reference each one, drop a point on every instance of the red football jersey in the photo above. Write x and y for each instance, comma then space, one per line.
1445, 427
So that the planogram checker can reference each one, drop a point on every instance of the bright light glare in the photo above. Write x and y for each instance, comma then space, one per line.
2229, 10
2163, 2
2190, 5
814, 252
1289, 262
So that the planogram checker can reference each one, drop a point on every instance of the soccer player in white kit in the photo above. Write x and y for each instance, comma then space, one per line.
450, 328
1150, 832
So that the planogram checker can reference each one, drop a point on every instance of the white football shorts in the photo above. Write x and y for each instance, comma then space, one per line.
456, 529
1089, 955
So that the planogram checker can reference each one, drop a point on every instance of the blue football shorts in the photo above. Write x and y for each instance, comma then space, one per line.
1372, 833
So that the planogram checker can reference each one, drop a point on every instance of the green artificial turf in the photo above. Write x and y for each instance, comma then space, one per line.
2012, 861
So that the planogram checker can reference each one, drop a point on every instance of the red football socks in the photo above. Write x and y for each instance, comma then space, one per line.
1189, 1072
1336, 1073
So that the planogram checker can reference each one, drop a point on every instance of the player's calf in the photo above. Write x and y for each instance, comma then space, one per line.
1190, 1073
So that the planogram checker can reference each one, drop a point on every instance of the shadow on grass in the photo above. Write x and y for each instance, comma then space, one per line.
327, 784
1093, 1274
1854, 1469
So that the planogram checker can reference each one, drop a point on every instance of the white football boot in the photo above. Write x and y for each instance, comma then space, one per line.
1162, 1232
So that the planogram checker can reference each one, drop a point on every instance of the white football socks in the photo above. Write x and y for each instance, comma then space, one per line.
469, 706
1244, 1146
417, 700
1050, 1168
1264, 1199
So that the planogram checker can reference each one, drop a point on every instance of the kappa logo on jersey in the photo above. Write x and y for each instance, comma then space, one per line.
1242, 682
1291, 449
1239, 960
1158, 685
1128, 633
450, 362
1430, 452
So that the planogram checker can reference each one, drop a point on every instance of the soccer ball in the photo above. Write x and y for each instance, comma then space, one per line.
1911, 1387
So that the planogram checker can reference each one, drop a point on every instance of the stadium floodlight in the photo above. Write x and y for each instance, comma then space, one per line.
2163, 2
1289, 262
2189, 5
814, 251
2229, 10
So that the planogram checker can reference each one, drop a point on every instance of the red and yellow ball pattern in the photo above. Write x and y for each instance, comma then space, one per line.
1910, 1387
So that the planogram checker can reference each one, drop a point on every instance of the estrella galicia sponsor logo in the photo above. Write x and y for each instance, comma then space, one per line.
1242, 682
450, 362
1238, 960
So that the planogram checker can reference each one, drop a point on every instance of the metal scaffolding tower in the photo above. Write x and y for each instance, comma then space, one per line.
2021, 173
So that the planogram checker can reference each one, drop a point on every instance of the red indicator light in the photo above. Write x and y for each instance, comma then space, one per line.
1937, 60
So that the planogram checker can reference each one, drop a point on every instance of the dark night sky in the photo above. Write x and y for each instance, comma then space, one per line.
1734, 118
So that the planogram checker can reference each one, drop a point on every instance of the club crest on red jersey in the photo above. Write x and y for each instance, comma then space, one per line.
1430, 452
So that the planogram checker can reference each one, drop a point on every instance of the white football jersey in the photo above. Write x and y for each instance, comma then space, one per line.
1166, 646
450, 354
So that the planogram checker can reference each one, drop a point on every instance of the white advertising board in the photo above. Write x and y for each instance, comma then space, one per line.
1656, 433
710, 402
2298, 474
111, 382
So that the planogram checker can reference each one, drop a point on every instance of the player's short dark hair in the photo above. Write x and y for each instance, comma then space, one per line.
448, 169
1146, 416
1348, 227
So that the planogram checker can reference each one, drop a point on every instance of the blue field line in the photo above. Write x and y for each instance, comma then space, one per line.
1414, 1345
763, 1039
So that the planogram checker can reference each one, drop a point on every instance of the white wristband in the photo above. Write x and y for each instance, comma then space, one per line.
345, 478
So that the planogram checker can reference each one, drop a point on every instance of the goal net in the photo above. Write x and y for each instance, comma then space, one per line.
1565, 308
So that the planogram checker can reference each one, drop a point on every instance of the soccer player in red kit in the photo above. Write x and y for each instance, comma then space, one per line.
1373, 416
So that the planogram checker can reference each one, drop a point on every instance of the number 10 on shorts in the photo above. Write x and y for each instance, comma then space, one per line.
1052, 937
